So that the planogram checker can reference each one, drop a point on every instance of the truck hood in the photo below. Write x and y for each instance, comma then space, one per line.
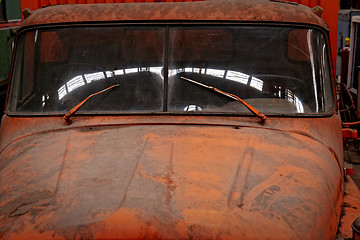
168, 181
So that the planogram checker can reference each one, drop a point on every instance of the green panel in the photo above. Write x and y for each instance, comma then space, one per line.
2, 9
12, 9
5, 52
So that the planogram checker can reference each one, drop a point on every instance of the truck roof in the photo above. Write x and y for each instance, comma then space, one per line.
212, 10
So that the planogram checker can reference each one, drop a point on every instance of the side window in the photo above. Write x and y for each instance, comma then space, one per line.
23, 73
28, 65
325, 83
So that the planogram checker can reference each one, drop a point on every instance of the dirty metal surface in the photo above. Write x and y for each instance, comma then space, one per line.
351, 208
170, 177
224, 10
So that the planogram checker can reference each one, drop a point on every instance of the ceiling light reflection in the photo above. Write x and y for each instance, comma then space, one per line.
235, 76
256, 83
91, 77
75, 83
87, 78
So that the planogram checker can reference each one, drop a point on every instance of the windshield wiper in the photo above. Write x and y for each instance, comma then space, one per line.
260, 115
78, 106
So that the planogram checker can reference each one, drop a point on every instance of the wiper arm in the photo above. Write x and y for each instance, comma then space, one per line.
260, 115
78, 106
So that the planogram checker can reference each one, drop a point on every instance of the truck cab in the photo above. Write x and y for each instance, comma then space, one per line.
187, 120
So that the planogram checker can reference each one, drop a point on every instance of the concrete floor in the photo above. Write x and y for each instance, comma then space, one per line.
352, 156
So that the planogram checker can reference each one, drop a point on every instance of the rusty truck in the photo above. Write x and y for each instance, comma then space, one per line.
186, 120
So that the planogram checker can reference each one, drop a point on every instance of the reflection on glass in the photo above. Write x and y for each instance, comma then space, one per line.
234, 76
256, 83
131, 70
157, 70
289, 95
227, 75
78, 81
75, 83
119, 72
94, 77
216, 73
192, 108
62, 92
309, 39
237, 77
237, 59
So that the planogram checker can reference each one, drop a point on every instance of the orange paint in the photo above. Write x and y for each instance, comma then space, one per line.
198, 179
172, 176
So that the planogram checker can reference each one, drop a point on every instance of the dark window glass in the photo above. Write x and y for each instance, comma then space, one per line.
278, 70
70, 64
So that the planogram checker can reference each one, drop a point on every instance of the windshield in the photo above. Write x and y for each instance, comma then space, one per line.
277, 70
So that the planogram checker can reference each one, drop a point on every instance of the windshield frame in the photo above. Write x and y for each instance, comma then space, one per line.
167, 25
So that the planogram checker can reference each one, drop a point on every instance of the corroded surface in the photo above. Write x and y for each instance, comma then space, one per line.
170, 177
224, 10
161, 177
351, 209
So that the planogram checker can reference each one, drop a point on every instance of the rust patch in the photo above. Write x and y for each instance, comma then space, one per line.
246, 10
170, 190
67, 150
133, 174
240, 179
196, 167
267, 196
83, 232
24, 204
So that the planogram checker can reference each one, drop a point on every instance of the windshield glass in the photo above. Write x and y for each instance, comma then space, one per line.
278, 70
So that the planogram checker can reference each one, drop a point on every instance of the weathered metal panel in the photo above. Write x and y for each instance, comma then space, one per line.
170, 177
233, 10
35, 4
350, 208
39, 3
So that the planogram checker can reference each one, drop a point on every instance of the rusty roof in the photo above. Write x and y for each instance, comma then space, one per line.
224, 10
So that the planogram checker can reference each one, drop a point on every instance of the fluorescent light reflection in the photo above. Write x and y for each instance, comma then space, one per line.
172, 72
62, 92
87, 78
157, 70
119, 72
237, 77
75, 83
242, 78
290, 96
216, 73
131, 70
228, 75
256, 83
94, 77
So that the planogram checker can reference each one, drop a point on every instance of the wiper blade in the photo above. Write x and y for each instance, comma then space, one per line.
260, 115
78, 106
